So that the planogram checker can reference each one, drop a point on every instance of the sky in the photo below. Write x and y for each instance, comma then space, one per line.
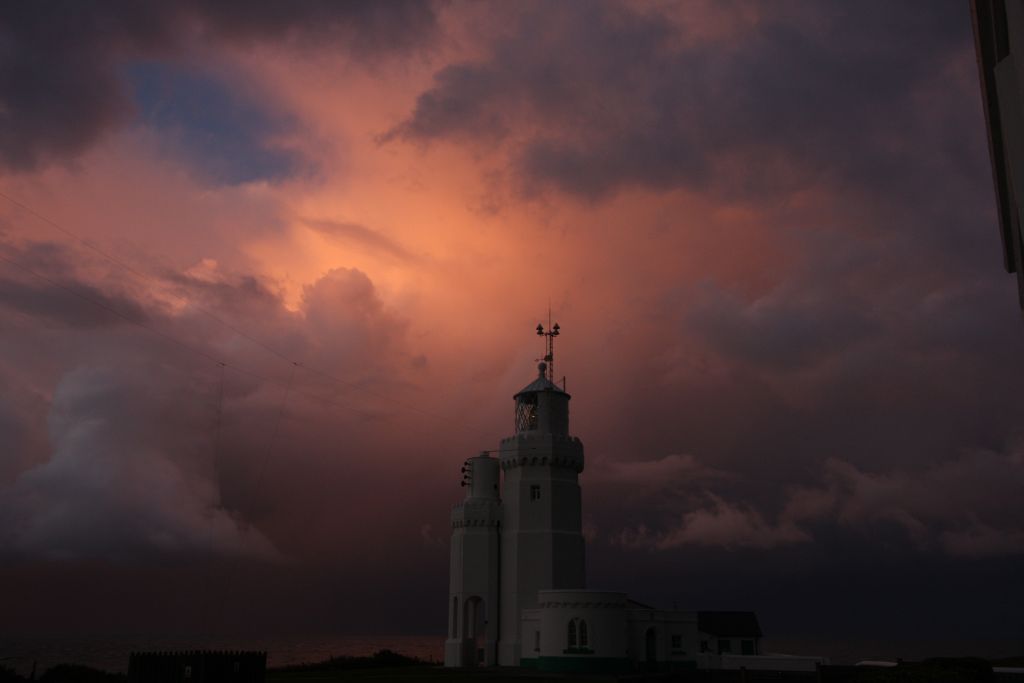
269, 272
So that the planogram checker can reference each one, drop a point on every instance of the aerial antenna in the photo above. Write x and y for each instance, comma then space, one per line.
549, 344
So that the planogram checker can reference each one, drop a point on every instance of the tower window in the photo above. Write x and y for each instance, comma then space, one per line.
536, 641
579, 638
535, 492
526, 413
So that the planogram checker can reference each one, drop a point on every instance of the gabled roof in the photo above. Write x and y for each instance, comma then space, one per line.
729, 624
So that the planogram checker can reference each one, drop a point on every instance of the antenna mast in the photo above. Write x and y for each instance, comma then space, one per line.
549, 344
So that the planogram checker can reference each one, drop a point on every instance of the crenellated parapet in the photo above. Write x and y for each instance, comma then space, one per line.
549, 450
477, 513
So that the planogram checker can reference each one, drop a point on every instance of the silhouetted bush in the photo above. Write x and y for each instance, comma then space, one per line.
75, 673
9, 675
380, 659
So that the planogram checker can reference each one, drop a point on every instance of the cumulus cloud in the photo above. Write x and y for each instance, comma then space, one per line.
962, 507
722, 524
152, 450
132, 473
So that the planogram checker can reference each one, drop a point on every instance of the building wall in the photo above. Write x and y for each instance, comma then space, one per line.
728, 645
601, 614
999, 41
474, 588
542, 544
663, 624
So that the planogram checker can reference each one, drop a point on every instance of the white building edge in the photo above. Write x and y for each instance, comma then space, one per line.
517, 592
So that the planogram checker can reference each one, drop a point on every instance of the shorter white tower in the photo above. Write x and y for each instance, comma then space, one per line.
474, 588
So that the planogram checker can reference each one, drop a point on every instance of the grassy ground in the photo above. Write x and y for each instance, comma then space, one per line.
390, 666
427, 674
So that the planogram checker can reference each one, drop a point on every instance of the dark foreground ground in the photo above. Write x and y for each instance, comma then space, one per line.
389, 666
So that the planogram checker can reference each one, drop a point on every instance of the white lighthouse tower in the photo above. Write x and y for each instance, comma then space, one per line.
473, 591
542, 544
505, 549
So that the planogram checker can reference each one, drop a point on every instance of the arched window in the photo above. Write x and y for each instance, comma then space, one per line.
572, 633
455, 617
583, 634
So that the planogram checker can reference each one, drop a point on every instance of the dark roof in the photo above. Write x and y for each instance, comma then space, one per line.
542, 383
729, 624
633, 603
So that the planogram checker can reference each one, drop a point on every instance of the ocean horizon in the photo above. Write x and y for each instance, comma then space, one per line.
111, 652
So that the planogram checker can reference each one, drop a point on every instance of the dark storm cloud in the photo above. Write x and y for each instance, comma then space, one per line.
44, 301
963, 507
241, 295
47, 288
834, 410
788, 328
60, 86
594, 97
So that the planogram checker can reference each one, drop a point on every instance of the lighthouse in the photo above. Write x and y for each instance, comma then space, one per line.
524, 535
542, 544
517, 592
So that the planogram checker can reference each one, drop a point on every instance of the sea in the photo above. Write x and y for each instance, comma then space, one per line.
110, 652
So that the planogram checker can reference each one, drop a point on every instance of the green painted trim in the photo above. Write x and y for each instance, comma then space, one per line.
529, 663
585, 664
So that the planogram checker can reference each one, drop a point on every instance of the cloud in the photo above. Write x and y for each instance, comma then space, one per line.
131, 474
962, 507
346, 318
789, 328
360, 236
722, 524
589, 98
154, 452
38, 300
60, 86
659, 472
224, 134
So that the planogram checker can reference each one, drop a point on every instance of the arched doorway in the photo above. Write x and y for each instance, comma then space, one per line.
474, 630
651, 649
455, 617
